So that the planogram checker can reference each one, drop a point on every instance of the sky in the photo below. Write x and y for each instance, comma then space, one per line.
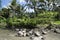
5, 3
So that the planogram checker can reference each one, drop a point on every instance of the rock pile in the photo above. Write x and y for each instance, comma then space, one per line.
29, 32
56, 30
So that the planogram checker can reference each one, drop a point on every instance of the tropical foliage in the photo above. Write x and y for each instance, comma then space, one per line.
15, 17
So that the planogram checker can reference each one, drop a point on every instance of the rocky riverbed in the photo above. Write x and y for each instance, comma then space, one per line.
10, 35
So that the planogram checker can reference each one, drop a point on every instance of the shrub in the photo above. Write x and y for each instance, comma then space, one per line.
21, 22
28, 22
46, 17
3, 23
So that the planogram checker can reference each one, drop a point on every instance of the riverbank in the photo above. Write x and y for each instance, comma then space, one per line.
10, 35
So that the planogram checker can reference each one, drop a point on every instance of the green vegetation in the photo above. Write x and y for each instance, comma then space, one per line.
57, 22
21, 22
14, 17
3, 23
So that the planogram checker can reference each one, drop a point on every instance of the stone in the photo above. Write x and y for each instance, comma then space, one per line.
17, 29
44, 32
37, 38
31, 32
24, 32
41, 37
27, 34
57, 31
20, 33
37, 33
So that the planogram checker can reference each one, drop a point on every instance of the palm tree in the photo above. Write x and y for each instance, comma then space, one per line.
16, 8
34, 5
5, 12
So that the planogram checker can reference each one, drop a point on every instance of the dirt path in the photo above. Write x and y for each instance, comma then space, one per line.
9, 35
52, 36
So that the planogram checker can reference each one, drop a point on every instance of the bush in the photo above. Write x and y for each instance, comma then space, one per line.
21, 22
27, 21
46, 17
3, 23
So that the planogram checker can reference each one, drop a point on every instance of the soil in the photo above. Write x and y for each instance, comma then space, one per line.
10, 35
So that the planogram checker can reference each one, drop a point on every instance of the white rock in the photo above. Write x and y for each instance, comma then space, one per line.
44, 32
20, 33
37, 33
17, 29
31, 32
24, 32
37, 38
58, 30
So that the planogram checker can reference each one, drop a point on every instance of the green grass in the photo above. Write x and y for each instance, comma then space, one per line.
57, 22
